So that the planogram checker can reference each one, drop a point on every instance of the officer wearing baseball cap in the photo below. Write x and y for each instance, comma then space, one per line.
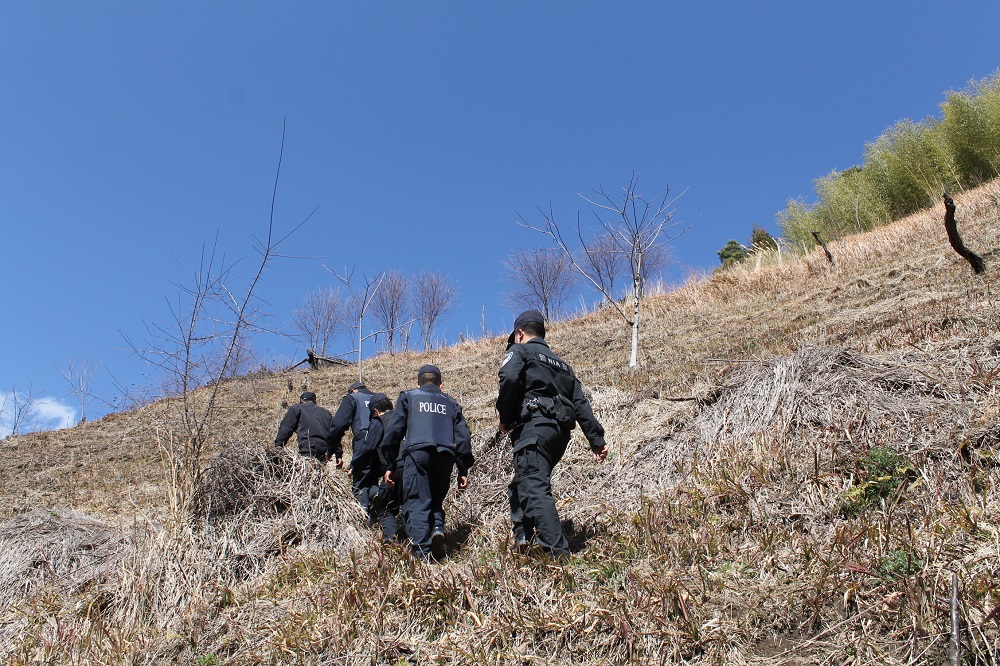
437, 439
539, 404
352, 413
312, 425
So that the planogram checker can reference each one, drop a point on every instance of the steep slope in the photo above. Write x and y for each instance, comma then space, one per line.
800, 463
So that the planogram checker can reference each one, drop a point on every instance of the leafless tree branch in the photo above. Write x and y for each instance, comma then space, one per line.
633, 226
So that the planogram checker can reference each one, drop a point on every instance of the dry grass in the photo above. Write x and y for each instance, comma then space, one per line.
726, 526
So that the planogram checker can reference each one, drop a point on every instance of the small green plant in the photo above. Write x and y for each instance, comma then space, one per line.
899, 563
206, 660
880, 473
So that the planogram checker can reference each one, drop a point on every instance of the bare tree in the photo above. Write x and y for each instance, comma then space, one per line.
604, 261
361, 301
210, 322
539, 278
243, 360
319, 319
78, 374
657, 258
391, 308
17, 411
637, 226
434, 296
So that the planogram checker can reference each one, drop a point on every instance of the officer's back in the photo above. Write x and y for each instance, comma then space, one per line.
311, 423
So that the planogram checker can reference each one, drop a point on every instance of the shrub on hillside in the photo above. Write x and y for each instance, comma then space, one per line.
732, 253
906, 169
761, 240
971, 129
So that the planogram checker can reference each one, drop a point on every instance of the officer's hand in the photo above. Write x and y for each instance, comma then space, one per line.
500, 426
340, 463
463, 482
390, 479
601, 453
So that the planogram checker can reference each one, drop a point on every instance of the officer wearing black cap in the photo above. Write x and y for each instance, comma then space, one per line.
312, 424
366, 469
437, 439
384, 505
539, 404
354, 413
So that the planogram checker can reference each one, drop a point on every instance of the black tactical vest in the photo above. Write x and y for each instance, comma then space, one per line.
430, 420
362, 413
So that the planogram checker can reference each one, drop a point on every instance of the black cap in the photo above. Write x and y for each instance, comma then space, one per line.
430, 370
527, 316
356, 385
376, 398
308, 395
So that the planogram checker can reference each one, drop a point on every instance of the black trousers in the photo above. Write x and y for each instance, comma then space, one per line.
537, 450
317, 452
388, 508
365, 480
426, 478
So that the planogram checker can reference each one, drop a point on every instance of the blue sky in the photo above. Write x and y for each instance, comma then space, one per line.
132, 133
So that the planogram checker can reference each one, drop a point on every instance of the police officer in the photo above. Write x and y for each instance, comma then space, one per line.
384, 506
539, 404
312, 425
353, 413
437, 439
366, 469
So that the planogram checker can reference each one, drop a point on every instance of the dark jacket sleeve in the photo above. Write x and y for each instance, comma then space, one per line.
463, 444
287, 427
375, 436
341, 422
584, 414
395, 430
367, 450
511, 395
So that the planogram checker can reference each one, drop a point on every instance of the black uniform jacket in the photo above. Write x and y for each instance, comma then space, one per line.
428, 429
369, 452
312, 424
353, 413
533, 371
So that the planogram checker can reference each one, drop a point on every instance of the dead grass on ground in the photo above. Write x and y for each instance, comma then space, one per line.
804, 456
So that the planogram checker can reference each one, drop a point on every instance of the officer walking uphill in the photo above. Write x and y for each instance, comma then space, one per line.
354, 413
366, 468
312, 425
539, 404
384, 506
437, 439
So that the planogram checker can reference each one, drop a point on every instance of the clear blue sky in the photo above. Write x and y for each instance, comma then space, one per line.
133, 132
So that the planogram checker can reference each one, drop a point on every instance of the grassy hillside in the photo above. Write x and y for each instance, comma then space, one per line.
803, 459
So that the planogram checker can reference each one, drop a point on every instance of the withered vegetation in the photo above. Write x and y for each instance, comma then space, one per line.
803, 457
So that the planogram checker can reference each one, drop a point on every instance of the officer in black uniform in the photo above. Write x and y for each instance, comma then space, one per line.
384, 506
311, 423
539, 404
366, 469
353, 413
437, 439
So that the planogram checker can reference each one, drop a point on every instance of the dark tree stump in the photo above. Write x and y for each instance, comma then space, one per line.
977, 263
829, 255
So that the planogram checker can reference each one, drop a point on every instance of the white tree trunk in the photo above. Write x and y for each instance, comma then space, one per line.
634, 357
361, 340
